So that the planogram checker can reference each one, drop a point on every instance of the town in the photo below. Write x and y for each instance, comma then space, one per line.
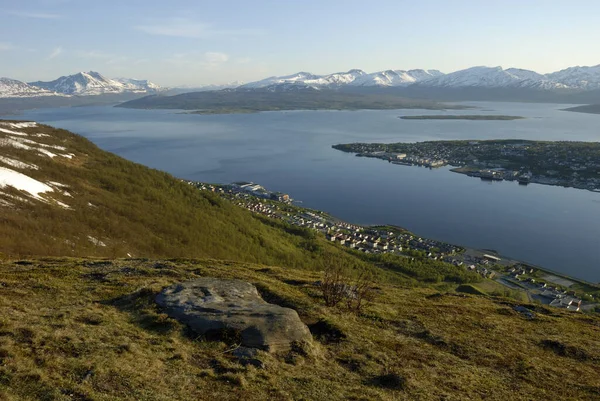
568, 164
535, 283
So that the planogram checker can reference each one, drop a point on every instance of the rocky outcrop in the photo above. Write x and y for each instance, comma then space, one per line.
211, 306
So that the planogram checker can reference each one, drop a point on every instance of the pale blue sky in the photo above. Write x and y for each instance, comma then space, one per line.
199, 42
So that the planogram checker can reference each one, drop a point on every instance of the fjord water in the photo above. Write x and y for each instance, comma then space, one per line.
558, 228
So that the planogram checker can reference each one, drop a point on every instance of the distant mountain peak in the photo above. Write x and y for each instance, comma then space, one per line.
94, 83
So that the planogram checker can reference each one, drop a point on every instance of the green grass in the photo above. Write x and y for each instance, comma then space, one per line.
89, 329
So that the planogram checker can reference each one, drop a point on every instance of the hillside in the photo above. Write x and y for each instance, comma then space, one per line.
89, 330
87, 202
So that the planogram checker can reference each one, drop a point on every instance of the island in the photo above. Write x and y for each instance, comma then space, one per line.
473, 117
567, 164
590, 109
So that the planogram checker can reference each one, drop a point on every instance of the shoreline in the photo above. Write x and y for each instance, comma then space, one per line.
532, 180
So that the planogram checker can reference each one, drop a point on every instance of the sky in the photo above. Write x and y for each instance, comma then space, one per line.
197, 42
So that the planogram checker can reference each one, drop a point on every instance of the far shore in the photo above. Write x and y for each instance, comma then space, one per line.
462, 117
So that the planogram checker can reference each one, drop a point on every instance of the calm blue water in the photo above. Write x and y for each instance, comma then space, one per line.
554, 227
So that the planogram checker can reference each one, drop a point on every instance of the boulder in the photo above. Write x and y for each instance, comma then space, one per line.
212, 306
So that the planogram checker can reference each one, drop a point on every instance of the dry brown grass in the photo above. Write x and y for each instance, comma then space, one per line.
88, 330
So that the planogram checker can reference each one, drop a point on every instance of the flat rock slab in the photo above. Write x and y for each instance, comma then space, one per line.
210, 306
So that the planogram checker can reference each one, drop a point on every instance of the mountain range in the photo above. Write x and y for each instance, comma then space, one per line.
570, 80
80, 84
573, 78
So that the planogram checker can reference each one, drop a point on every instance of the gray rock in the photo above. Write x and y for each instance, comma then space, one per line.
210, 306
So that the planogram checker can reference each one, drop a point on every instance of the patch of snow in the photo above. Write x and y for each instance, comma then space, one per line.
15, 197
42, 135
7, 131
61, 204
57, 184
47, 153
22, 182
96, 241
24, 124
14, 143
5, 203
65, 193
68, 155
17, 163
57, 147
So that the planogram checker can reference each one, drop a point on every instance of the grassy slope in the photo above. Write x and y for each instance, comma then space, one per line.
88, 329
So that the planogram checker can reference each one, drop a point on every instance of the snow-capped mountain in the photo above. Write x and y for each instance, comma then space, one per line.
353, 77
395, 77
574, 78
308, 79
13, 88
494, 77
587, 78
487, 77
93, 83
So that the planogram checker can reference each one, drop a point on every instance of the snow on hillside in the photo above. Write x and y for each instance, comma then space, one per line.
9, 177
22, 182
16, 163
396, 77
138, 85
353, 77
474, 76
493, 77
578, 77
13, 88
299, 77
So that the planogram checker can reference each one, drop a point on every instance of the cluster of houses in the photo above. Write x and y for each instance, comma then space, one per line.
249, 188
553, 163
368, 240
561, 299
364, 242
258, 191
475, 264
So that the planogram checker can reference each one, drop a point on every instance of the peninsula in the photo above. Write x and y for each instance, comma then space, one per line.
568, 164
590, 109
231, 101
